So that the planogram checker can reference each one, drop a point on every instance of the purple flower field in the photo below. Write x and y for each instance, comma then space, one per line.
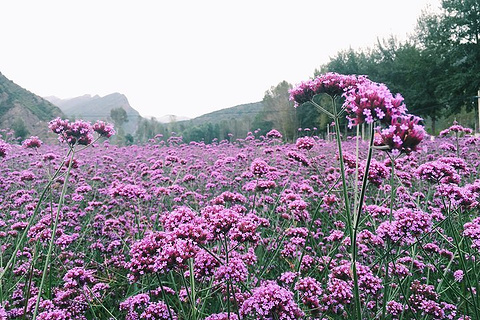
251, 229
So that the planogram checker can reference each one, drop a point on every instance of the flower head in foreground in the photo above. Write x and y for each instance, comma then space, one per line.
333, 84
370, 101
365, 100
78, 132
403, 135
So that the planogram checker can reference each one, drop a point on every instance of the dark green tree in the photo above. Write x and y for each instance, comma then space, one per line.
280, 111
119, 116
261, 123
452, 35
20, 129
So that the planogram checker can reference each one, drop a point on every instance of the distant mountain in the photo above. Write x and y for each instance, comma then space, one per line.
92, 108
236, 121
23, 111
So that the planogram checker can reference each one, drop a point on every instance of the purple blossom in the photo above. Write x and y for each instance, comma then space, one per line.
408, 224
259, 167
32, 142
403, 135
222, 316
103, 129
305, 143
274, 134
158, 310
370, 101
159, 252
269, 301
78, 277
455, 128
438, 171
78, 132
333, 84
458, 275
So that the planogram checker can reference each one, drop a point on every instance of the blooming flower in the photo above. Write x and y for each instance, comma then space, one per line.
458, 275
103, 129
274, 134
403, 135
269, 301
330, 83
78, 132
305, 143
32, 142
455, 128
259, 167
370, 101
438, 171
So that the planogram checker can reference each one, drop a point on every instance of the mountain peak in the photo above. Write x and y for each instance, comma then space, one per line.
21, 109
92, 108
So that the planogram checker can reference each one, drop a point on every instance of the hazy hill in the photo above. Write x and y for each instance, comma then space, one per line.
92, 108
237, 121
24, 111
241, 113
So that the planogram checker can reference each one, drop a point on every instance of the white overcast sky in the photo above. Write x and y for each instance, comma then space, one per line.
186, 57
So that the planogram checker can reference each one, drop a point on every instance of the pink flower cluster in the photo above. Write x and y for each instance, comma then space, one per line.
305, 143
367, 102
370, 101
333, 84
455, 128
79, 132
403, 135
408, 224
32, 142
271, 301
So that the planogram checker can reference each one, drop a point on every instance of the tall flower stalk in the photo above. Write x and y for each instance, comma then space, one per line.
364, 102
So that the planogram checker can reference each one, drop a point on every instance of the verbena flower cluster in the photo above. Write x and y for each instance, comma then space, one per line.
456, 129
79, 132
366, 101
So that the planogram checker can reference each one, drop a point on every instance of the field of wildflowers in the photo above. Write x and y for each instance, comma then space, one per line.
248, 229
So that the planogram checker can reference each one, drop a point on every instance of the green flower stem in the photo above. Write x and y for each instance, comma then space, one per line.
165, 296
54, 231
356, 222
386, 278
192, 288
322, 109
352, 228
342, 170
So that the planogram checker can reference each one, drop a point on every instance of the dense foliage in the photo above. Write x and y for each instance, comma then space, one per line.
437, 69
